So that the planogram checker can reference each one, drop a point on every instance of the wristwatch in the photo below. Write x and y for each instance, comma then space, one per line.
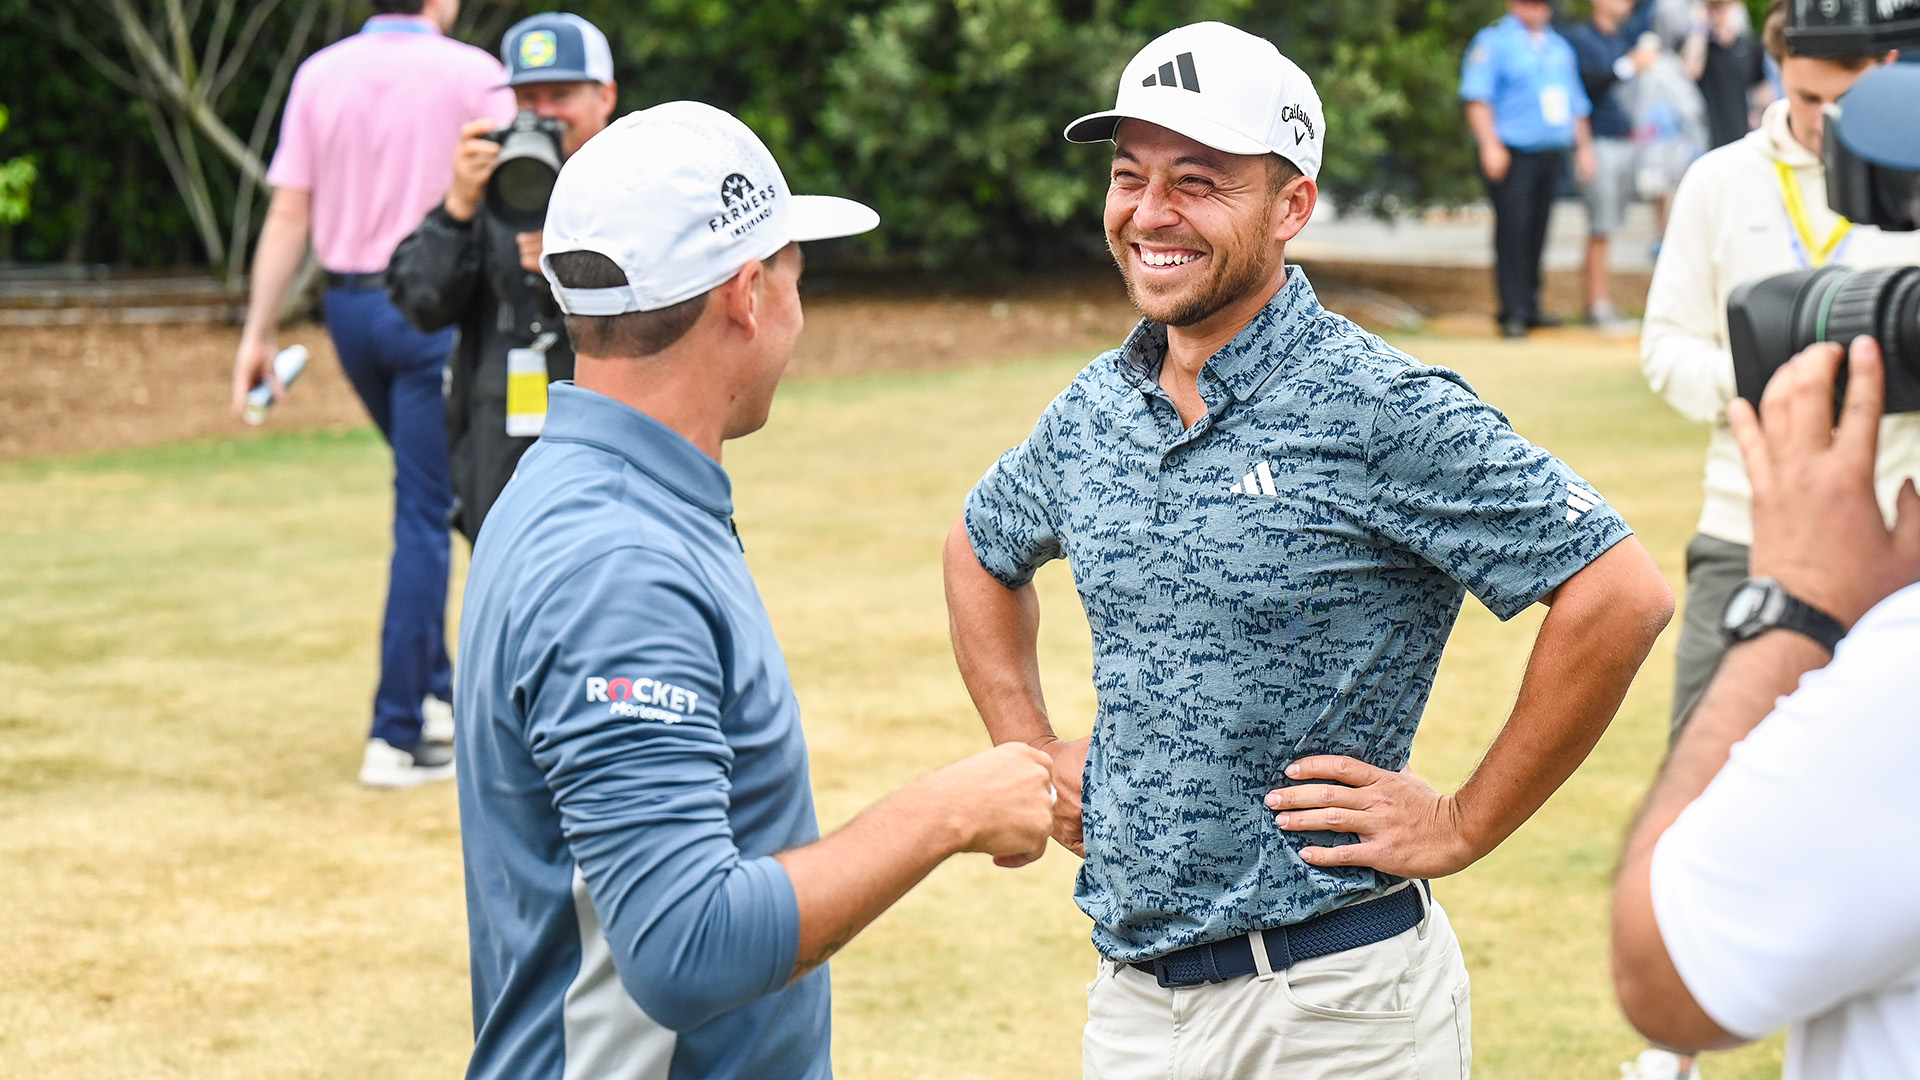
1761, 604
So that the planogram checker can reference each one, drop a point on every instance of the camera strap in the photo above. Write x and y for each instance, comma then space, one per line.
1813, 253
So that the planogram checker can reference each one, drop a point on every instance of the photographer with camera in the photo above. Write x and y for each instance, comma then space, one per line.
475, 261
1744, 212
1745, 902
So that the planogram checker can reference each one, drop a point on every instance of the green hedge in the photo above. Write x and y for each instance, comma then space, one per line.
944, 114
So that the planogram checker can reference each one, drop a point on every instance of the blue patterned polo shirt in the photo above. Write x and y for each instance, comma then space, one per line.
1274, 582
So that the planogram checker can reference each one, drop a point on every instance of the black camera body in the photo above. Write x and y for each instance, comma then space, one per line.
524, 173
1850, 28
1872, 156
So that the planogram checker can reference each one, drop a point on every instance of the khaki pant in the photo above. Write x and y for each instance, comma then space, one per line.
1395, 1010
1715, 568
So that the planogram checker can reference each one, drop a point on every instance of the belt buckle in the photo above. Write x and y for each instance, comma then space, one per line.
1160, 975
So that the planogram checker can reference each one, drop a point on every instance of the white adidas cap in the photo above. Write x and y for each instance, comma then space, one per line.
681, 196
1222, 87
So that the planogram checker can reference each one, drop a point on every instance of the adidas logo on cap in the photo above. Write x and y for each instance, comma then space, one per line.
1189, 78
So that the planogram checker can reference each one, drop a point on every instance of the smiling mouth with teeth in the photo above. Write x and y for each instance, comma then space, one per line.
1167, 258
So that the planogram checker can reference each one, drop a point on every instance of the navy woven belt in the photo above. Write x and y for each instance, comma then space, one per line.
1324, 935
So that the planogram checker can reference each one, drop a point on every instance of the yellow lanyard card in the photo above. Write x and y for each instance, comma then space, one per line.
527, 388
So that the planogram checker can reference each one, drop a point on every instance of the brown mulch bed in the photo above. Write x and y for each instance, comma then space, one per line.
74, 389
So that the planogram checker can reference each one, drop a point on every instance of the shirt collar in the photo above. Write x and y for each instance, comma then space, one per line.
576, 414
1778, 138
1526, 33
399, 24
1244, 364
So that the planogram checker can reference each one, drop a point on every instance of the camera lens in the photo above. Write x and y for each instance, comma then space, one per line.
1770, 321
525, 172
524, 185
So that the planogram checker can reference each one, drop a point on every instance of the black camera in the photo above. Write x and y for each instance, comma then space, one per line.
1850, 28
1872, 158
524, 173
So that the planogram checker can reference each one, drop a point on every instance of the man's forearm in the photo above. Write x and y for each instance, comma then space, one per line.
1751, 678
1583, 134
995, 802
847, 880
1602, 624
1480, 122
283, 242
995, 634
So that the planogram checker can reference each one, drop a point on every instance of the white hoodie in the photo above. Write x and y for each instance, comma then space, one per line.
1730, 226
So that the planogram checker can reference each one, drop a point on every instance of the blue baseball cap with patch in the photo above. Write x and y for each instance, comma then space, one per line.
555, 47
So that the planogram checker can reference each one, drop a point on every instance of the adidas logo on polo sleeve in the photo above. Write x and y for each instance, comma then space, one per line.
1580, 502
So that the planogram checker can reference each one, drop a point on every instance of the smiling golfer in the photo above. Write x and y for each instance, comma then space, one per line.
1272, 517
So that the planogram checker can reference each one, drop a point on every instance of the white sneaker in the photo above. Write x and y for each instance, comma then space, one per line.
387, 766
1655, 1064
436, 719
1607, 320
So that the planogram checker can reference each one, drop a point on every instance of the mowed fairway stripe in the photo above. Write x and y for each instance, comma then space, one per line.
194, 886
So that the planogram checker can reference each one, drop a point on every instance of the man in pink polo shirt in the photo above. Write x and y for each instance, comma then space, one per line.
366, 148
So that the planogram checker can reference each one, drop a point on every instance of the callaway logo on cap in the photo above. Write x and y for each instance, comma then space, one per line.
681, 196
1222, 87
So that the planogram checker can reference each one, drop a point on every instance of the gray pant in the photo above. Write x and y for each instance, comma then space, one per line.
1715, 568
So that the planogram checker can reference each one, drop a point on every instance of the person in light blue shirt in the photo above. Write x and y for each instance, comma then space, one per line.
1272, 518
1526, 106
648, 896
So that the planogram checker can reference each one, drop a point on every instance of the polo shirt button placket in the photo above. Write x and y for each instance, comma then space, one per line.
1165, 510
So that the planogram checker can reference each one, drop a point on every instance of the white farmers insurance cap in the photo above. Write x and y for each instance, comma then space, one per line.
1222, 87
681, 196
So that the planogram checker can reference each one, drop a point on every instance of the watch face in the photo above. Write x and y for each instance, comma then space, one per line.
1743, 607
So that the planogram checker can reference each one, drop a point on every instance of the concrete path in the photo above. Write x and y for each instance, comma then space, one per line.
1464, 238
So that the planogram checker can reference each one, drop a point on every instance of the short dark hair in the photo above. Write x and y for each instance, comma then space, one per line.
1775, 37
633, 334
398, 7
1280, 173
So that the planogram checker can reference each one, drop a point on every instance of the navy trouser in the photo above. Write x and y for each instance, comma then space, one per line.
396, 370
1522, 207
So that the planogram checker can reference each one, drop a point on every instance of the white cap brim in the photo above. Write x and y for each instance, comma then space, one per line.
824, 217
1101, 126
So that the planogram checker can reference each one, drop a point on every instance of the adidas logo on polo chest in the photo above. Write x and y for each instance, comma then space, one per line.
1257, 482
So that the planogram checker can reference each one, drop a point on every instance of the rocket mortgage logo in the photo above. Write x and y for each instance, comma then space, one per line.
643, 699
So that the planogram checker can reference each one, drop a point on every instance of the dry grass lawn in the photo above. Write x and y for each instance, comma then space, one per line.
191, 884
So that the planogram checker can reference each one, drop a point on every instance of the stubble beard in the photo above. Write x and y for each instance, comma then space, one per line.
1228, 280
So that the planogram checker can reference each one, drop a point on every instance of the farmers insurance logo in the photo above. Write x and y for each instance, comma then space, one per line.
643, 699
742, 206
539, 49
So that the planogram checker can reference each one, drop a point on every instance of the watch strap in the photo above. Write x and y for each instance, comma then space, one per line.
1778, 609
1803, 618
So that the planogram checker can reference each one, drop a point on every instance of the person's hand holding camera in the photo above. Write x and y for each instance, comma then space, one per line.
472, 165
1817, 526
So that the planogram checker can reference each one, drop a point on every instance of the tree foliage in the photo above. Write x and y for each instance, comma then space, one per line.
16, 183
944, 114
